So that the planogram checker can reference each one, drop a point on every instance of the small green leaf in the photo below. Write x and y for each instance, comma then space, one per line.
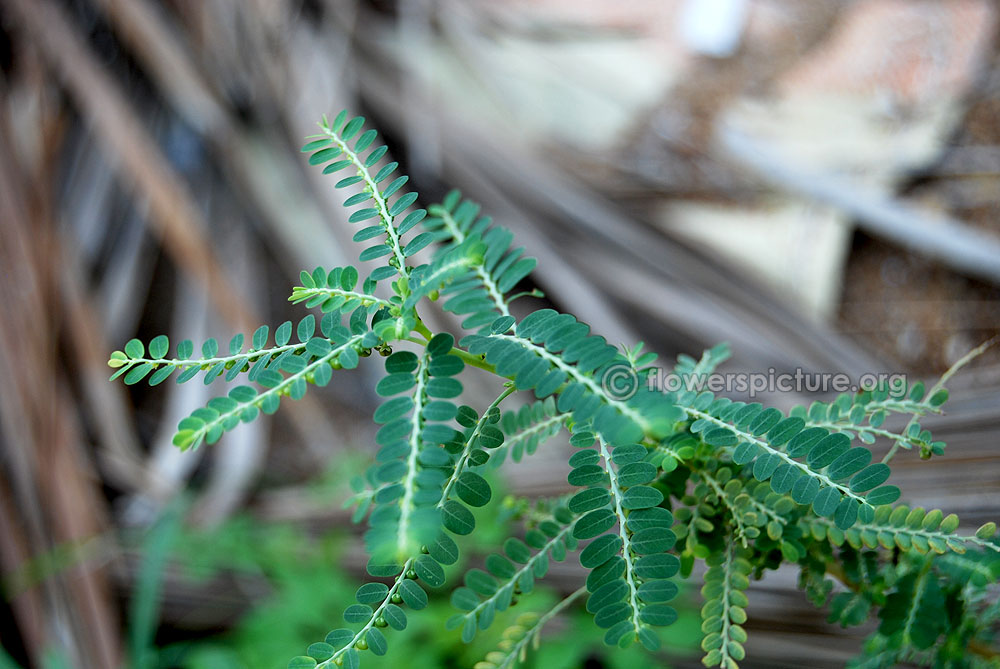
938, 398
516, 550
283, 333
429, 571
444, 549
826, 501
395, 617
377, 643
641, 497
870, 477
659, 615
587, 475
371, 593
259, 339
590, 499
594, 524
158, 347
464, 599
600, 550
887, 494
849, 463
134, 348
320, 651
635, 474
393, 384
210, 348
653, 540
719, 436
473, 489
137, 373
456, 518
847, 513
490, 437
413, 595
608, 594
348, 358
358, 613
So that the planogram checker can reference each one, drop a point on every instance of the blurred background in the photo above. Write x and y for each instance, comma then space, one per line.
815, 182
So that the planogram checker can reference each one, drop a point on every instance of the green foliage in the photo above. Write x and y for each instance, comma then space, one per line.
862, 415
663, 479
512, 573
528, 427
724, 612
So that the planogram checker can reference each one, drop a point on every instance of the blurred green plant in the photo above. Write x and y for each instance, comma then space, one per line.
308, 584
664, 479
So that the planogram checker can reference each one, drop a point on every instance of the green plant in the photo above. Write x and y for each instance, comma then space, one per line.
664, 478
307, 586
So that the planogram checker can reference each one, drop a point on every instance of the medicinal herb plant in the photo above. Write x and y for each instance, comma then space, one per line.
664, 479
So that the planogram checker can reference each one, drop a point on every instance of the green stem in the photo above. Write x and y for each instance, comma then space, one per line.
423, 330
514, 652
463, 459
376, 614
467, 358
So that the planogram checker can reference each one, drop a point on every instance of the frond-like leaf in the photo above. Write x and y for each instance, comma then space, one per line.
413, 462
336, 289
630, 567
482, 294
437, 481
554, 353
724, 611
513, 573
341, 646
524, 633
244, 403
903, 528
332, 148
862, 415
834, 477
